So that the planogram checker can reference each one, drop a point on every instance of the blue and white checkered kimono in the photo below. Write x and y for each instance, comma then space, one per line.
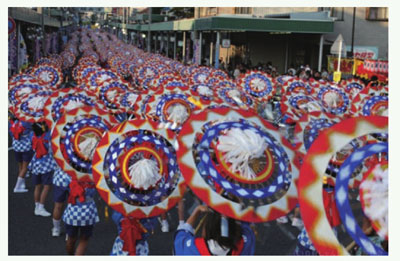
61, 179
46, 163
82, 214
142, 247
24, 144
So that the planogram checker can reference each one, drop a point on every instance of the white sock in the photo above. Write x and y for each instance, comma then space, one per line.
20, 181
164, 221
56, 223
37, 204
40, 206
181, 222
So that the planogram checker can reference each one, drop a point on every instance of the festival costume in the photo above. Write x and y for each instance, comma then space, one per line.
137, 230
185, 242
21, 140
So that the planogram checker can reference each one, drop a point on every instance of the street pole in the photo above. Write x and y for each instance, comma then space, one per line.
352, 33
217, 50
149, 33
168, 38
184, 48
18, 44
340, 55
200, 45
321, 47
175, 35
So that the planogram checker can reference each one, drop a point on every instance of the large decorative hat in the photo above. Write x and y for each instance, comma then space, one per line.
235, 97
371, 101
171, 110
238, 164
295, 105
22, 89
65, 100
328, 143
30, 107
48, 75
352, 86
75, 137
257, 84
334, 100
135, 169
297, 85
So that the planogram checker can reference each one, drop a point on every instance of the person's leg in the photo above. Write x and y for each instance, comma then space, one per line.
20, 185
70, 245
44, 193
36, 193
82, 245
72, 233
86, 233
24, 169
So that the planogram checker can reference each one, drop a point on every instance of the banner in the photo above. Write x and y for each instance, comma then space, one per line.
196, 52
364, 52
346, 65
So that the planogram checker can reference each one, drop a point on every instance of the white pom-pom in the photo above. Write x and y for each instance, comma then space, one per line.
88, 146
236, 96
177, 113
202, 78
239, 147
37, 103
310, 106
23, 91
73, 104
376, 197
132, 97
144, 174
332, 99
111, 95
205, 91
258, 84
46, 76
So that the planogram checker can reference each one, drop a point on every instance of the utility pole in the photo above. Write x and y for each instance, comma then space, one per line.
149, 32
44, 35
353, 30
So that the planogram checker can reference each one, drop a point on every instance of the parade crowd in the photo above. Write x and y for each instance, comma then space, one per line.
104, 117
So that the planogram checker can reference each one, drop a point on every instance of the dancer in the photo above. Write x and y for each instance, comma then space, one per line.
21, 143
220, 236
42, 167
61, 183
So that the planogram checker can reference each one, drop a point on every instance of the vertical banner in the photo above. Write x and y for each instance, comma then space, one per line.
22, 53
12, 50
37, 49
196, 51
188, 48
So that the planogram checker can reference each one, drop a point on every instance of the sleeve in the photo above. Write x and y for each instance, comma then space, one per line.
116, 217
184, 241
249, 239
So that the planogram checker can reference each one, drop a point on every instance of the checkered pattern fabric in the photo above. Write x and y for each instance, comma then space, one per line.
43, 165
305, 240
61, 179
142, 248
81, 214
24, 144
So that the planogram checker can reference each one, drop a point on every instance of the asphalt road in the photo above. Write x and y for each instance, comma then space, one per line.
31, 235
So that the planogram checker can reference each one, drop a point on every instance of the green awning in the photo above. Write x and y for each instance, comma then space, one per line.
232, 23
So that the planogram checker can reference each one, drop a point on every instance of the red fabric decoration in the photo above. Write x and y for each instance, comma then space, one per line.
17, 129
38, 146
330, 208
131, 232
76, 190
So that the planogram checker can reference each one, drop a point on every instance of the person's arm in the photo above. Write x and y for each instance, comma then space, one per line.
199, 209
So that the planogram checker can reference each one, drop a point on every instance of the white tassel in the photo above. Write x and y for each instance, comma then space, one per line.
149, 73
132, 97
45, 76
73, 104
331, 99
377, 197
177, 114
88, 146
236, 96
205, 91
239, 147
23, 91
310, 106
258, 84
144, 174
202, 78
37, 103
111, 95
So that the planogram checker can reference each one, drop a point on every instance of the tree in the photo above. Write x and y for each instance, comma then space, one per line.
93, 18
182, 12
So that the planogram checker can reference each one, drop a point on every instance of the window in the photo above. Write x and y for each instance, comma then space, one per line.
242, 10
338, 13
377, 14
